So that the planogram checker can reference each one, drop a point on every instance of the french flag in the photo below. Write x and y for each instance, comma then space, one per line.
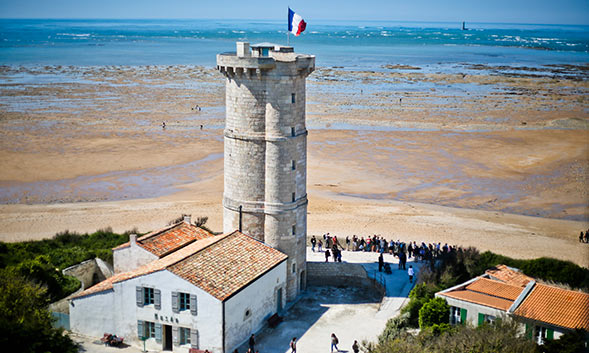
296, 24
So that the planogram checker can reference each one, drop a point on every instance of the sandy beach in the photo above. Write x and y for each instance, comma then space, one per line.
496, 159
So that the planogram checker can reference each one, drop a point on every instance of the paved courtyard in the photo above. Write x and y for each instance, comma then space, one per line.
351, 313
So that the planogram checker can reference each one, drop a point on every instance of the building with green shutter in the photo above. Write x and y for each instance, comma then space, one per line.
209, 294
546, 312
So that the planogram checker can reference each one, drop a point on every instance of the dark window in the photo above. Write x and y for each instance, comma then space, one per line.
293, 197
292, 131
294, 165
184, 301
149, 329
147, 296
294, 230
184, 335
292, 98
294, 268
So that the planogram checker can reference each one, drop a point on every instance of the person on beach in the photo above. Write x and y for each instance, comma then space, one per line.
293, 345
313, 242
581, 237
319, 245
410, 273
380, 262
334, 342
163, 124
327, 254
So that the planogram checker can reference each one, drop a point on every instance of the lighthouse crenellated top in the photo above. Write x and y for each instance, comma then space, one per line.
260, 58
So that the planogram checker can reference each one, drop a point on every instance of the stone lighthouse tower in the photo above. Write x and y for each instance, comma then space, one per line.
265, 191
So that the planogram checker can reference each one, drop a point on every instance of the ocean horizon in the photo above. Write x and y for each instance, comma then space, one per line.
351, 44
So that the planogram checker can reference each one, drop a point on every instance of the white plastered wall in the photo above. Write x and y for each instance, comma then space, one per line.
260, 298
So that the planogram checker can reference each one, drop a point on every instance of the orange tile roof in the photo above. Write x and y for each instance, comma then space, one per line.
509, 275
151, 267
228, 265
166, 240
480, 298
220, 265
556, 306
487, 292
495, 288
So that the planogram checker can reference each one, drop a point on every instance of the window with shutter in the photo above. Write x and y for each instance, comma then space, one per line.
184, 301
193, 307
175, 302
463, 316
175, 336
140, 329
185, 335
139, 295
481, 319
158, 333
194, 339
157, 299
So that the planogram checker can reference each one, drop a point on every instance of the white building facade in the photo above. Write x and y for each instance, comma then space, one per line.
176, 303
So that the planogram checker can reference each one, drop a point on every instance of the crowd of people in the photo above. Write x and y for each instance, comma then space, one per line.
332, 247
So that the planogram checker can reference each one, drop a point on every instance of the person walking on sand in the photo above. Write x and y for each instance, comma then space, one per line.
410, 273
334, 342
581, 237
313, 242
327, 254
355, 347
293, 345
319, 245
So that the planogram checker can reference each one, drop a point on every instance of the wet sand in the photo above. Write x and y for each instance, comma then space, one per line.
82, 148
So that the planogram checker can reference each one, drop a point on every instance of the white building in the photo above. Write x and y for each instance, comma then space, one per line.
546, 312
210, 294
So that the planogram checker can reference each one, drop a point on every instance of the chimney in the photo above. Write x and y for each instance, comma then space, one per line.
243, 49
187, 218
133, 239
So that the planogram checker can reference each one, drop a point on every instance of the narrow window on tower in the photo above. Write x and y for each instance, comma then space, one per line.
294, 268
294, 165
294, 229
293, 197
292, 98
292, 131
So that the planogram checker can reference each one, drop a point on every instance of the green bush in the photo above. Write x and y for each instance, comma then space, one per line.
25, 323
435, 312
419, 295
42, 261
394, 328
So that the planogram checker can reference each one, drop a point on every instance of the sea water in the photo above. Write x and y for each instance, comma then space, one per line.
353, 45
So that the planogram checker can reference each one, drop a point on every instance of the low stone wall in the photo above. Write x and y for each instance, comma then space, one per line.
341, 274
90, 272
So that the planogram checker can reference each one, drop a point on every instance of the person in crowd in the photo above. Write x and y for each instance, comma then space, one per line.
380, 262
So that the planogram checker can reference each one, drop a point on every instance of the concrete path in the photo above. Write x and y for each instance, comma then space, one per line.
351, 313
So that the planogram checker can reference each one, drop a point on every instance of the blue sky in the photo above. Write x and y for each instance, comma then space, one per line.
498, 11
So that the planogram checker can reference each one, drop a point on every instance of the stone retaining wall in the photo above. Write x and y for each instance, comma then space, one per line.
341, 274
